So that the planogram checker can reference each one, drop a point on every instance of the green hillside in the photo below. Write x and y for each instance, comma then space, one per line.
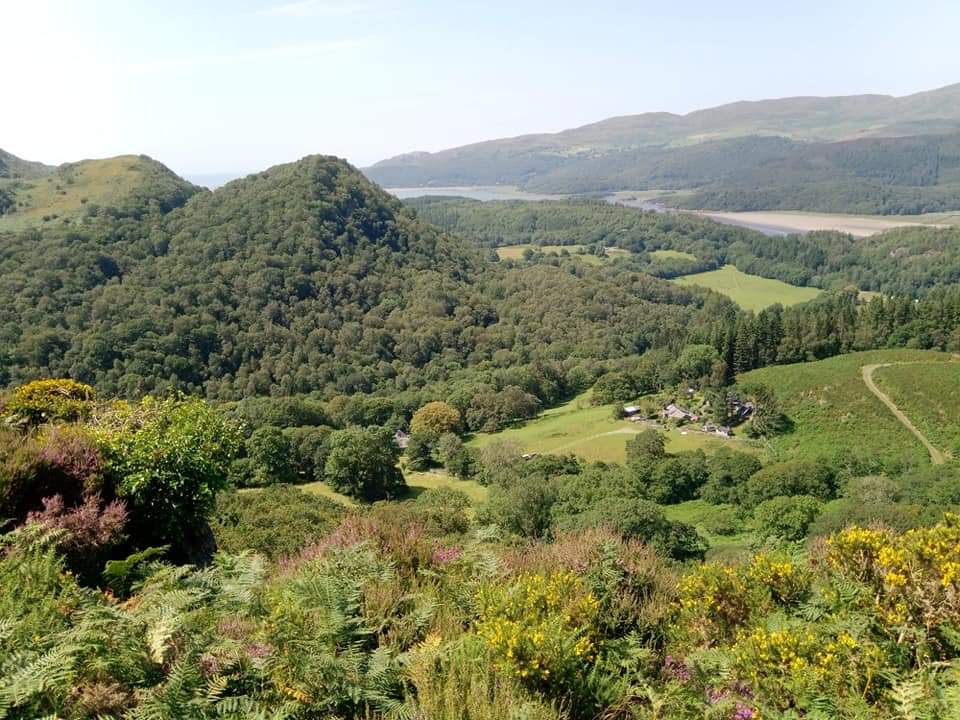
865, 154
834, 415
14, 168
929, 394
74, 191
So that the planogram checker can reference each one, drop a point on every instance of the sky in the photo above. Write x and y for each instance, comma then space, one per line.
234, 86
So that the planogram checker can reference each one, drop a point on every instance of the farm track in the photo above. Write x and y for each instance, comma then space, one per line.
937, 457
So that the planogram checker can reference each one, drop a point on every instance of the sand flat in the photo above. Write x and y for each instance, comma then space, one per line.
856, 225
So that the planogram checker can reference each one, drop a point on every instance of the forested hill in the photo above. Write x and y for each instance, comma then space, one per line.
871, 154
305, 278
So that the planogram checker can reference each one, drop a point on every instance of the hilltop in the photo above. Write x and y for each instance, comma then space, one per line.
864, 153
38, 194
14, 168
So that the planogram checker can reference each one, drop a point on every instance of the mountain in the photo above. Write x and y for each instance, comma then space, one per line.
883, 154
36, 194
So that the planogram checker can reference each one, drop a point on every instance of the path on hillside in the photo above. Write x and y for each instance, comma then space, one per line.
936, 456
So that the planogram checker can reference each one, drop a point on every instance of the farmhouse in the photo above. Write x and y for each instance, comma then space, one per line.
401, 439
721, 430
742, 410
675, 412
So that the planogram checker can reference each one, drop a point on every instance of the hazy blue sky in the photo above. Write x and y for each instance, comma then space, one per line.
210, 86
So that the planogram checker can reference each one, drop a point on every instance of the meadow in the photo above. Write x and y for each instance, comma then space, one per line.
418, 482
834, 414
515, 252
672, 255
751, 292
591, 433
929, 394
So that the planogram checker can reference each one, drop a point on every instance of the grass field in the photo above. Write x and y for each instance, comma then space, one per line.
750, 292
515, 252
672, 255
928, 394
721, 547
590, 432
833, 411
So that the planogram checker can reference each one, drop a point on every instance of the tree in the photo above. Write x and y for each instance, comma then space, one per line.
794, 477
649, 446
696, 363
787, 518
271, 456
456, 457
768, 417
419, 452
614, 387
434, 419
727, 471
362, 463
523, 508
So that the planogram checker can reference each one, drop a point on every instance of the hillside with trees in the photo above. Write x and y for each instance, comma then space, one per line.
859, 154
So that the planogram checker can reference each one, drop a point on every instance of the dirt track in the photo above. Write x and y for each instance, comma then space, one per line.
936, 456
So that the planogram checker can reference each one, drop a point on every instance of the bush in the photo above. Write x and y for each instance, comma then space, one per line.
523, 508
310, 448
169, 459
787, 518
276, 521
362, 463
541, 628
47, 400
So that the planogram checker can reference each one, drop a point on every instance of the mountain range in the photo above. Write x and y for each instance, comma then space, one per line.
865, 153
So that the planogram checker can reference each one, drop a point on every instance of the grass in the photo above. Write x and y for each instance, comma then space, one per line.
418, 483
750, 292
721, 547
590, 432
515, 252
833, 412
672, 255
66, 192
929, 394
856, 225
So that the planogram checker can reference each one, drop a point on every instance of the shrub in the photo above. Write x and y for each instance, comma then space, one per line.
787, 517
276, 521
46, 400
541, 628
310, 448
362, 463
523, 508
169, 459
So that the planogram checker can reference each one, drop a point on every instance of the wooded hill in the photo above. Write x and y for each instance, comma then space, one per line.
870, 154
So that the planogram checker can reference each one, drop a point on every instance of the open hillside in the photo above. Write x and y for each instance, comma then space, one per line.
72, 192
869, 154
928, 393
834, 415
14, 168
750, 292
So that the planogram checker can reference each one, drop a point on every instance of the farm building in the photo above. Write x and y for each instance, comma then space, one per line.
630, 410
401, 439
675, 412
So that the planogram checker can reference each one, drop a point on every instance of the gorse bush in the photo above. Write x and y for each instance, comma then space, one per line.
47, 400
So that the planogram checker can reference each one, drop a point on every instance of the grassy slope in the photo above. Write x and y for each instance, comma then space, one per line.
929, 394
833, 411
751, 292
71, 187
591, 433
672, 255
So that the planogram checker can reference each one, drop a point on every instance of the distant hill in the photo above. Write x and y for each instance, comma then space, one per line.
14, 168
34, 194
864, 153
